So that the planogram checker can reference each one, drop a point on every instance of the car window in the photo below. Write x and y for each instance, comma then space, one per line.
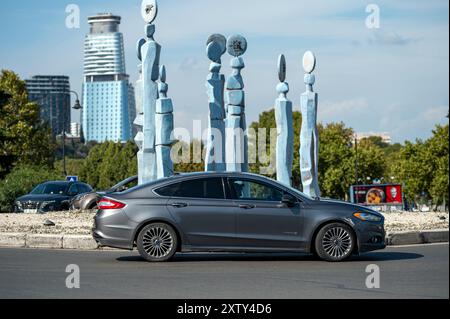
50, 189
83, 188
252, 190
73, 190
211, 188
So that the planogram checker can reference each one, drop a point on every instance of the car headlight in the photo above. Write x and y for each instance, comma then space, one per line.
18, 204
367, 217
47, 203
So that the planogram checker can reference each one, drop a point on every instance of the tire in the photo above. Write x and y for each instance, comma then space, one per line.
157, 242
335, 242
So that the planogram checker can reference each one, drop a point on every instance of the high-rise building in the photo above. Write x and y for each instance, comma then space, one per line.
108, 100
52, 94
75, 129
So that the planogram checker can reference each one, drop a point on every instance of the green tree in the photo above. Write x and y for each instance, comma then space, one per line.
109, 163
24, 138
337, 155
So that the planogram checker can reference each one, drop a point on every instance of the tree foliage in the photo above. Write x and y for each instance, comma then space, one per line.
24, 138
109, 163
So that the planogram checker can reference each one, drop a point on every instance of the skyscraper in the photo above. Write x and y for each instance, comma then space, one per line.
52, 94
108, 99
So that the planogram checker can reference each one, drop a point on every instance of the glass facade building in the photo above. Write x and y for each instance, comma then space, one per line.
108, 96
52, 94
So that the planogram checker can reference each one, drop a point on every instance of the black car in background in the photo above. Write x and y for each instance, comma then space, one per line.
50, 196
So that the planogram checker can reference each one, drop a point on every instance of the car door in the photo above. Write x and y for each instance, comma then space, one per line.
262, 220
205, 216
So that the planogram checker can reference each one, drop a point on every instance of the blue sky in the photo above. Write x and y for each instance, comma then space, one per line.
393, 79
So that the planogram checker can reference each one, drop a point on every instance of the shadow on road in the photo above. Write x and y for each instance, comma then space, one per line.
199, 257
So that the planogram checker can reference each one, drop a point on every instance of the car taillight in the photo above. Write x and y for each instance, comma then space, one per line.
107, 203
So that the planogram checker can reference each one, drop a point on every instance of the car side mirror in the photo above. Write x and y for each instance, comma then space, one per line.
288, 200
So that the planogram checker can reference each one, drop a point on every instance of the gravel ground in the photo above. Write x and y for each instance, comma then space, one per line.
81, 222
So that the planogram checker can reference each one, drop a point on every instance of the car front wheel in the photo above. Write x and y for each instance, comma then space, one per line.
335, 242
157, 242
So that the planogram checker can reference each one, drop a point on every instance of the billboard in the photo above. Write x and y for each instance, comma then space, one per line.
374, 195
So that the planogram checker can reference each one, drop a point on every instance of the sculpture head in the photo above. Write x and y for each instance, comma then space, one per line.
282, 68
237, 45
149, 10
309, 62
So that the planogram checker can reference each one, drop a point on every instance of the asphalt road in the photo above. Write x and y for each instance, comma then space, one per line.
405, 272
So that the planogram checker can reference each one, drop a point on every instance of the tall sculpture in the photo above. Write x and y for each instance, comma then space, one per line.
139, 122
148, 52
236, 127
215, 144
309, 136
285, 129
164, 128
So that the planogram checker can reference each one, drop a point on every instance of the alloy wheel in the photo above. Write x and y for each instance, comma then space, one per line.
337, 242
157, 242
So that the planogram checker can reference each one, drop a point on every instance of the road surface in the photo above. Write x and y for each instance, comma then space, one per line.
405, 272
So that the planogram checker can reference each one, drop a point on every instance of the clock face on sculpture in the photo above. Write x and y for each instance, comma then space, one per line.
309, 62
149, 10
237, 45
282, 68
219, 39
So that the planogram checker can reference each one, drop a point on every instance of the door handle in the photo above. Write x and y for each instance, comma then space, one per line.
179, 205
247, 206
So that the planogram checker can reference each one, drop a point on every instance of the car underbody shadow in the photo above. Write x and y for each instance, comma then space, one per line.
244, 257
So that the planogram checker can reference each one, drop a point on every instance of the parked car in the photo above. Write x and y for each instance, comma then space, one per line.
233, 212
50, 196
89, 200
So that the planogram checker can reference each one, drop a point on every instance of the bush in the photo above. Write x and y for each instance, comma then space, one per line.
20, 181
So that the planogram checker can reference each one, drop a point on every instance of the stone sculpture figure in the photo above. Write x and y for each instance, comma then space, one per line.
215, 144
164, 128
139, 122
309, 136
236, 127
285, 129
148, 52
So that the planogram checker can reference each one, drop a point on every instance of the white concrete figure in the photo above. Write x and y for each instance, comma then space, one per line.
148, 52
285, 129
309, 136
236, 127
164, 128
215, 144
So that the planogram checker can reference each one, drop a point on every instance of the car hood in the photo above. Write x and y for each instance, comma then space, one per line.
348, 205
42, 197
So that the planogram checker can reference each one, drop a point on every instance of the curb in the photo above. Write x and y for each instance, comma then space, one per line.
418, 237
86, 242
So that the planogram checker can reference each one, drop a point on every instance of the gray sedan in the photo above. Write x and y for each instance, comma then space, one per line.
233, 212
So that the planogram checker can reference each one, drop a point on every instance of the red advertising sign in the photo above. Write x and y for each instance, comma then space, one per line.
377, 194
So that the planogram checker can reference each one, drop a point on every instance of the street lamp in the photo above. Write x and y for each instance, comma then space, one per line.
77, 106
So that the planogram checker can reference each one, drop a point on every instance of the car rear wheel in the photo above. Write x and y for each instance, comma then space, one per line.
335, 242
157, 242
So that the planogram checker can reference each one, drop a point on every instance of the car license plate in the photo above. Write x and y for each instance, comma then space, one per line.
30, 211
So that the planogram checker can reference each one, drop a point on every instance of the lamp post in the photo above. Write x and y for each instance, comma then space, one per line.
77, 106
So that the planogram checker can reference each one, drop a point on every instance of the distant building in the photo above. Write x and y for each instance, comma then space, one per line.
108, 96
52, 94
75, 129
385, 137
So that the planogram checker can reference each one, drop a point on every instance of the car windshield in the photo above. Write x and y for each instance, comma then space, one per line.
301, 193
50, 189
